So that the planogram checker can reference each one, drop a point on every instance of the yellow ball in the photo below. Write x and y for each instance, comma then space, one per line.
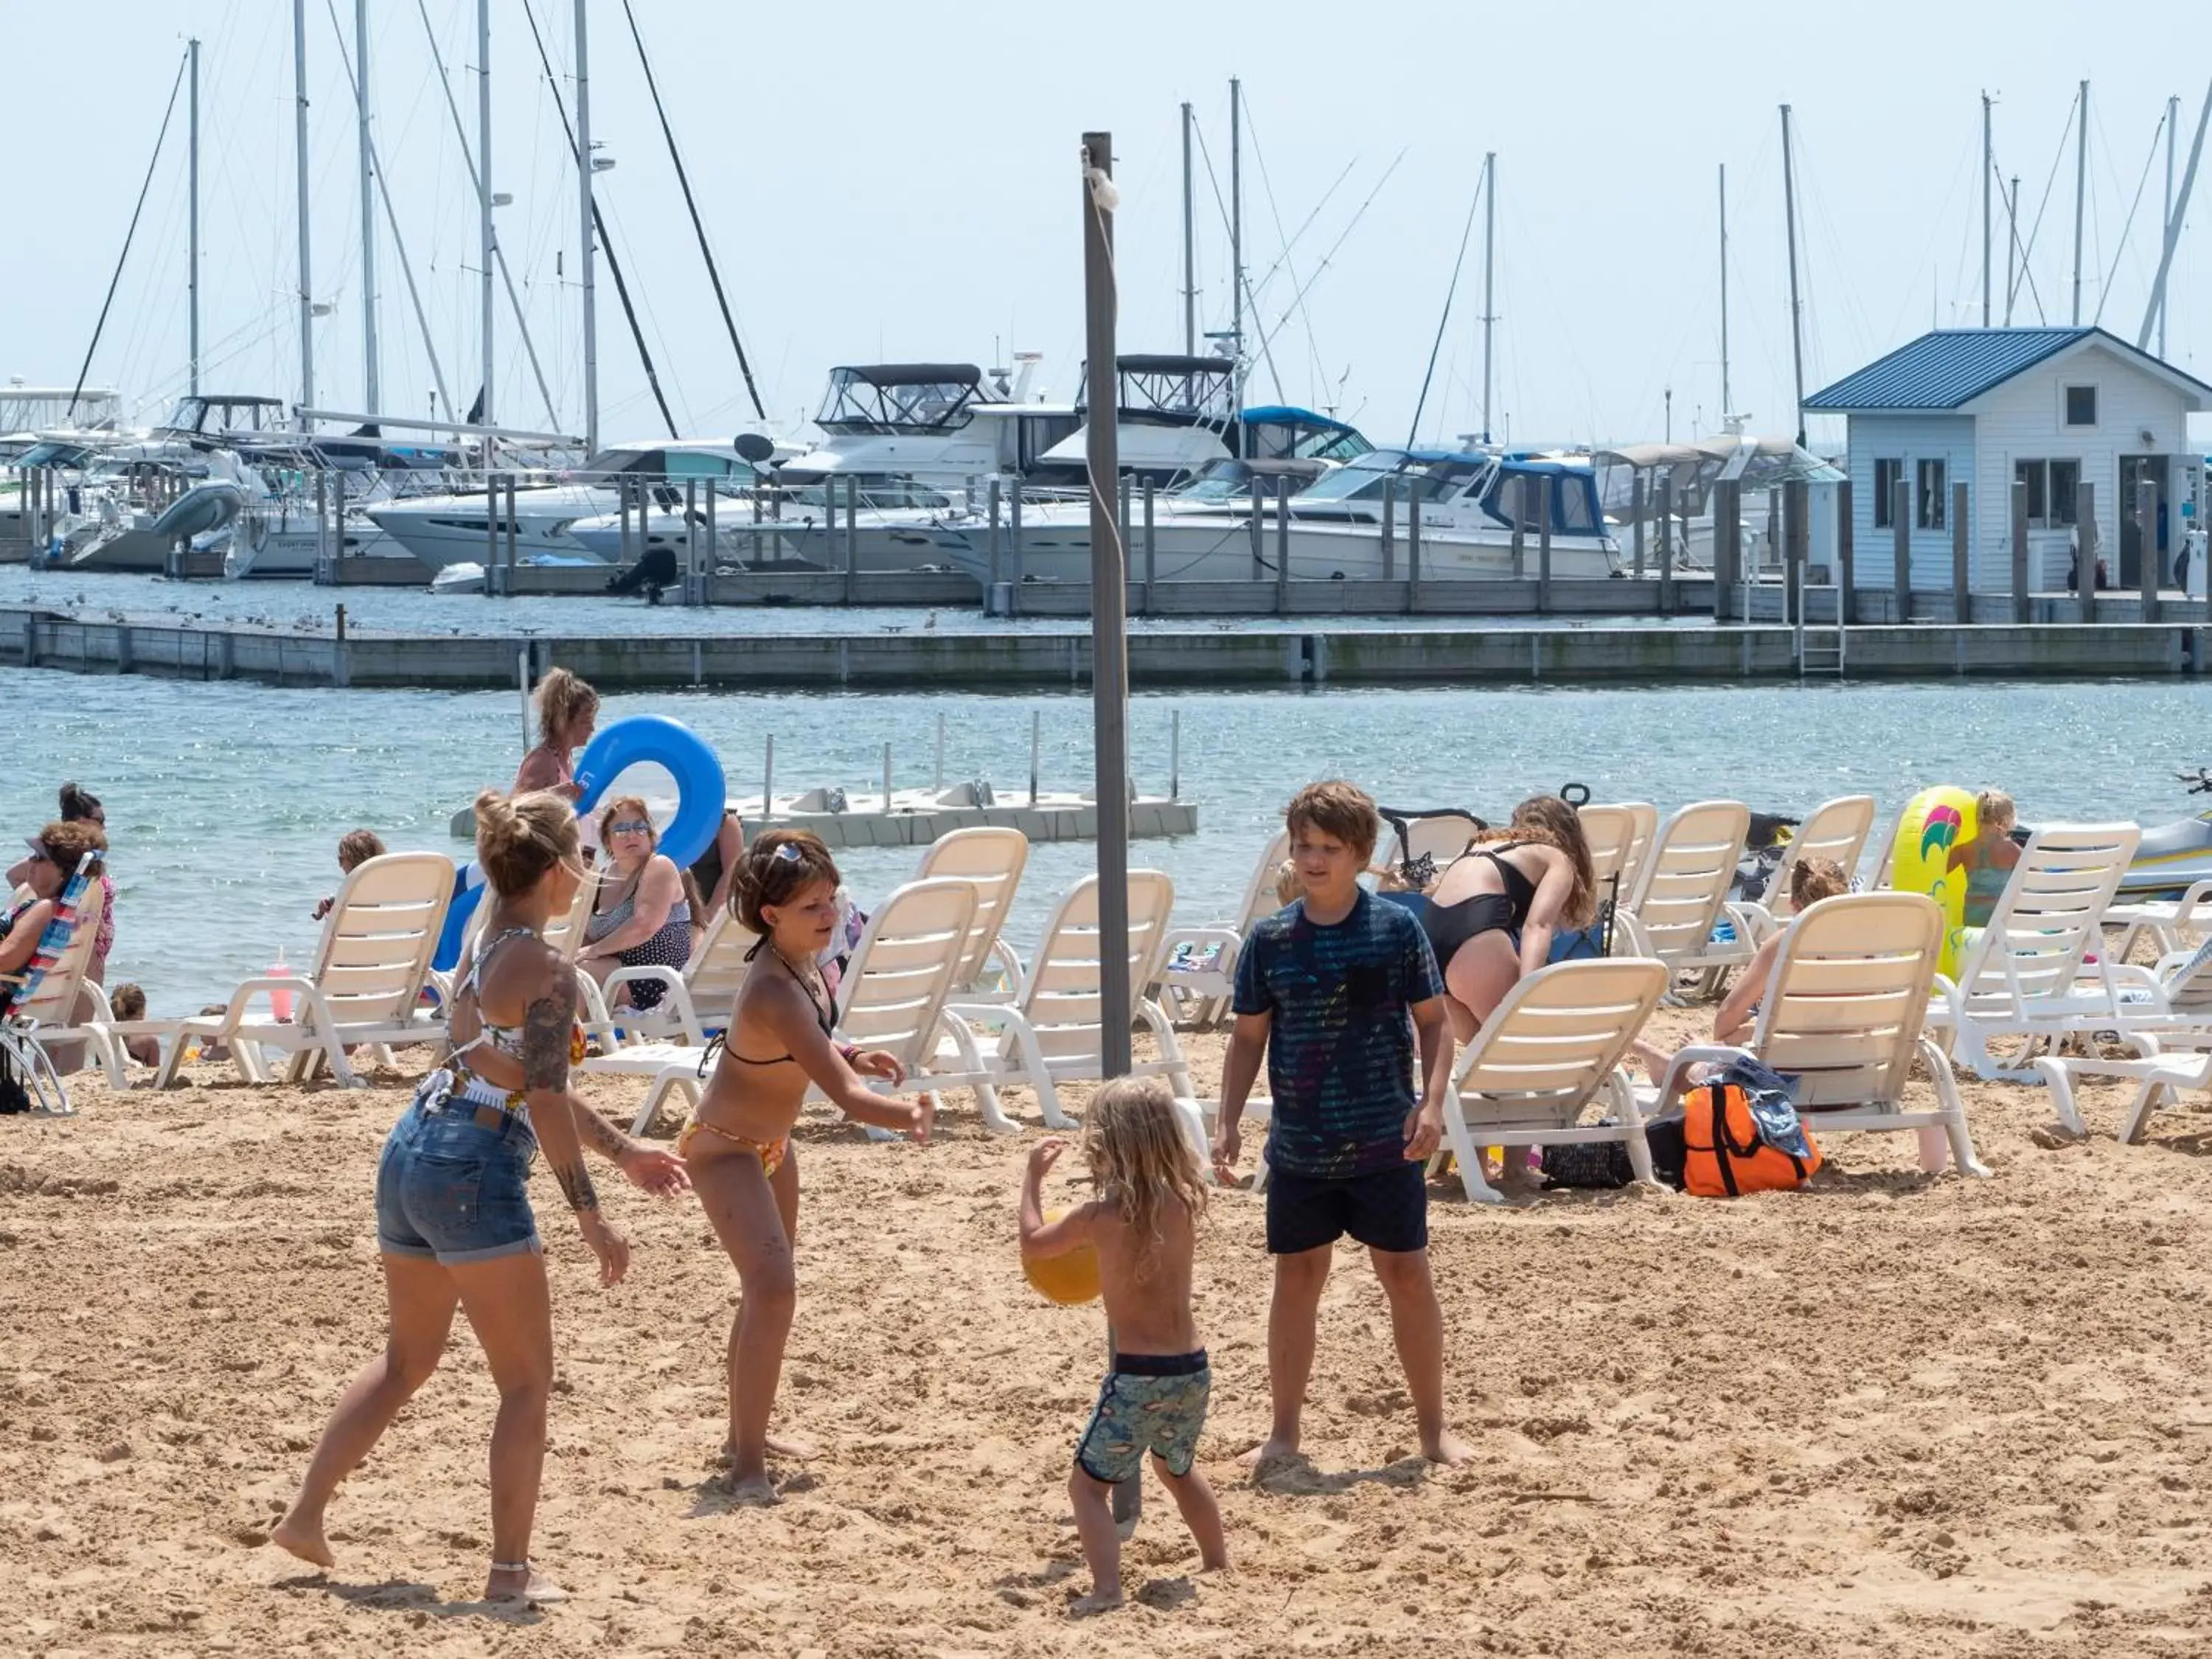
1070, 1279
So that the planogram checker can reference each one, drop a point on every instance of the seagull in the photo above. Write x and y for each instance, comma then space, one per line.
932, 623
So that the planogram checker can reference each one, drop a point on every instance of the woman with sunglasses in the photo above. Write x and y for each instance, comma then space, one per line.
55, 852
640, 917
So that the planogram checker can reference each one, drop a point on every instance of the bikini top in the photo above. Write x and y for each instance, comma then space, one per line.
502, 1039
599, 924
825, 1018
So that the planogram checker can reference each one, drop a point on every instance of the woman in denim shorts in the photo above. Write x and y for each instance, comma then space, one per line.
453, 1221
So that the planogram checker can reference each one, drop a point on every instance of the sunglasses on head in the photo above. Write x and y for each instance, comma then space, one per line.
631, 827
789, 853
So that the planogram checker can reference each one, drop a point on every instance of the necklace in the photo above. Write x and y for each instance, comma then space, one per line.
826, 1016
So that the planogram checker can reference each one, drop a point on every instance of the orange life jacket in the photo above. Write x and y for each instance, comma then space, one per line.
1725, 1156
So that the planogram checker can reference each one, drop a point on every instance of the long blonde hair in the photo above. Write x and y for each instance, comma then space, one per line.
562, 698
1550, 822
1140, 1158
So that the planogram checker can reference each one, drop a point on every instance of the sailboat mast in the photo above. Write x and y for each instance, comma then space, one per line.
584, 197
2156, 312
370, 388
1728, 403
1796, 310
1190, 248
2012, 245
2081, 195
487, 241
190, 279
1489, 274
1237, 250
1989, 166
299, 167
2173, 121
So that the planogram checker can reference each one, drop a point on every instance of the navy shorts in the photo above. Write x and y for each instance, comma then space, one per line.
453, 1185
1385, 1209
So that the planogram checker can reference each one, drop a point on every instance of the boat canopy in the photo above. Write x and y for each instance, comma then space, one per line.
1517, 496
1758, 463
674, 460
1285, 431
1162, 391
887, 399
208, 413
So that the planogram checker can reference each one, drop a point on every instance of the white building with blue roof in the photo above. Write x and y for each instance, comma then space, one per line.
2050, 407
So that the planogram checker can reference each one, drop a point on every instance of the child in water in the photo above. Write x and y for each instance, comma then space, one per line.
1143, 1224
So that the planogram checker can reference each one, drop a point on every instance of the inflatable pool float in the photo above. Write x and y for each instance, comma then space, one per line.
1935, 823
701, 791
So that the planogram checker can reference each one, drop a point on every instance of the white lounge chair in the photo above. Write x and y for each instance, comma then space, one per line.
1550, 1049
1619, 835
42, 1015
1199, 995
564, 932
1682, 895
1835, 830
709, 982
2024, 976
1054, 1030
992, 860
2171, 925
1441, 836
892, 998
1843, 1012
366, 984
2166, 1017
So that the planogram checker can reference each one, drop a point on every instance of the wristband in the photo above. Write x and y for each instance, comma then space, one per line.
850, 1051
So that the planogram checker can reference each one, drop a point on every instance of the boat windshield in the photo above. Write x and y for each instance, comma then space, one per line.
52, 454
1172, 390
1281, 433
1418, 477
884, 399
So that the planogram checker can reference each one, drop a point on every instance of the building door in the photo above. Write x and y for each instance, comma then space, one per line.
2134, 470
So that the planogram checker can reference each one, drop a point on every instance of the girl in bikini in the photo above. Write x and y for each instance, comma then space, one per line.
738, 1145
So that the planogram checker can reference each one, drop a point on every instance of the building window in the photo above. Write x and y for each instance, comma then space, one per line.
2050, 486
1886, 473
1927, 513
2081, 405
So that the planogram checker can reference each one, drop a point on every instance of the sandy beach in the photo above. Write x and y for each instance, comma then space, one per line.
1890, 1415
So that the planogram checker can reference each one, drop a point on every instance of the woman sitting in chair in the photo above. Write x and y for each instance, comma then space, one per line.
639, 918
55, 852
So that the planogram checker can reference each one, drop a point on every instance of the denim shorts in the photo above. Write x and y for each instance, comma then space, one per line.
453, 1185
1151, 1403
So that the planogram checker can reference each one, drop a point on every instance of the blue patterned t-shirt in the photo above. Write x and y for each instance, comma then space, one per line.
1341, 1047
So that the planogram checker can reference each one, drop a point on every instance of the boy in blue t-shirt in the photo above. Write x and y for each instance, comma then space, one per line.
1333, 990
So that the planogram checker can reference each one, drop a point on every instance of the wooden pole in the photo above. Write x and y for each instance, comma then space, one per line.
1389, 528
2085, 556
1636, 508
1282, 545
1847, 604
1665, 506
1900, 530
852, 539
1727, 521
1798, 545
2146, 570
2021, 608
1151, 548
1962, 569
1543, 546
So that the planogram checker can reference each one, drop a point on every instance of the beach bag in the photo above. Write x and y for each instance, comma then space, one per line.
1602, 1165
1739, 1139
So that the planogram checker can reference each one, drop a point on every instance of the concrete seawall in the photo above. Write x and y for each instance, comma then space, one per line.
1198, 657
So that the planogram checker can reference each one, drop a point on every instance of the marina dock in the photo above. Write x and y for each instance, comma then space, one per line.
1257, 654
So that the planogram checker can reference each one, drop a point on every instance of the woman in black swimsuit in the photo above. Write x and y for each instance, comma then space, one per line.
1530, 880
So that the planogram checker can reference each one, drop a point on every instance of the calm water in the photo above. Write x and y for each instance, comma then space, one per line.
288, 605
225, 801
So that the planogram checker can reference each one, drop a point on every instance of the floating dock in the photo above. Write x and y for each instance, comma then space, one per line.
1255, 654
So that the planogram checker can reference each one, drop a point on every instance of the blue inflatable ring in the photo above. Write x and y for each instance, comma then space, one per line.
701, 792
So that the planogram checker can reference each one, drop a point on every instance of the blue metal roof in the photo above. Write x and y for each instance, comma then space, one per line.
1950, 367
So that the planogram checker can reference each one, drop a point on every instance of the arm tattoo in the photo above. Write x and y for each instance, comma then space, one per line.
545, 1042
576, 1187
597, 1134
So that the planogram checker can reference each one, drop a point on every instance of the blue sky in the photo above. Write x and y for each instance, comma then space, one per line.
886, 180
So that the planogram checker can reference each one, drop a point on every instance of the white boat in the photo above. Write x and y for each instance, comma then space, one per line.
453, 528
1688, 472
1469, 503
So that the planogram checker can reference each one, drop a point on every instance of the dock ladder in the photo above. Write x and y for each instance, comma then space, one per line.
1821, 646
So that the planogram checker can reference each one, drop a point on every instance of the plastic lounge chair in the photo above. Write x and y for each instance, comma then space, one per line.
49, 1095
369, 977
1053, 1030
1682, 896
2023, 976
1885, 864
1550, 1049
892, 998
709, 980
1619, 835
42, 1012
992, 860
2172, 925
564, 932
1199, 991
2167, 1018
1834, 829
1441, 836
1843, 1012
